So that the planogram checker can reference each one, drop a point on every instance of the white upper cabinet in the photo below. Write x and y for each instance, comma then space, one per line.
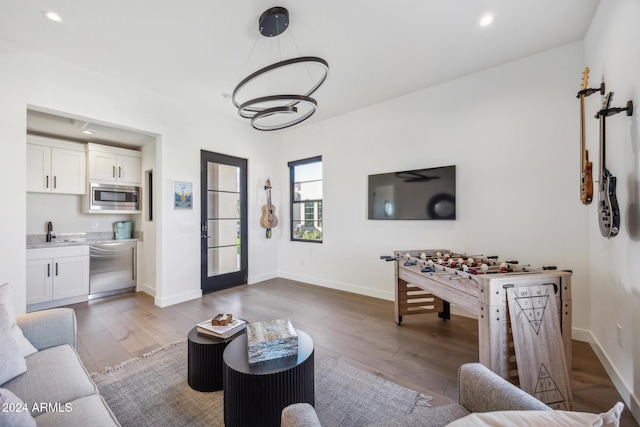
55, 166
111, 164
102, 166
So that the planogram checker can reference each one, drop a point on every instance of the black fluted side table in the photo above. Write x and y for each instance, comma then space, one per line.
204, 365
255, 395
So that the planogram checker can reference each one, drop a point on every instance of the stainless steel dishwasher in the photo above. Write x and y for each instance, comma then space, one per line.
112, 268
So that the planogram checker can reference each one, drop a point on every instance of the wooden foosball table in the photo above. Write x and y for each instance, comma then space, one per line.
427, 281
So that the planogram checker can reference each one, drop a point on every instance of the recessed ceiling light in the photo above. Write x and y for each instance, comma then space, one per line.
88, 132
486, 20
52, 16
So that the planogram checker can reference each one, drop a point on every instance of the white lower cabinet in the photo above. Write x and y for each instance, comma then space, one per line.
57, 274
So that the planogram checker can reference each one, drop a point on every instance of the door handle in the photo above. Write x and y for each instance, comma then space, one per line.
119, 172
204, 236
114, 171
54, 182
56, 268
48, 270
47, 182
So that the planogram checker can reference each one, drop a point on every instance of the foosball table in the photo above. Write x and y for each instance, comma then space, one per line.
427, 281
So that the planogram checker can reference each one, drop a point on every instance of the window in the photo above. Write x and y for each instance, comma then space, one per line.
305, 180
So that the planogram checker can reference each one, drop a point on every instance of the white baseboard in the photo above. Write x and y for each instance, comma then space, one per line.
630, 399
581, 335
386, 295
147, 290
176, 299
261, 278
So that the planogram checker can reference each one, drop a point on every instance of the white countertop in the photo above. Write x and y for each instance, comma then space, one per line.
76, 242
38, 241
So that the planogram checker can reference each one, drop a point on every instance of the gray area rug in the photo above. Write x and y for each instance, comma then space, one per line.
153, 391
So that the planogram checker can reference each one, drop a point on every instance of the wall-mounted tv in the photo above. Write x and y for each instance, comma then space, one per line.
414, 194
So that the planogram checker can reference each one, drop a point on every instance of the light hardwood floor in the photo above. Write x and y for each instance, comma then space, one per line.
423, 354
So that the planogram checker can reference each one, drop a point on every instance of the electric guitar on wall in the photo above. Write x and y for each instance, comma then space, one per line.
586, 174
608, 210
268, 219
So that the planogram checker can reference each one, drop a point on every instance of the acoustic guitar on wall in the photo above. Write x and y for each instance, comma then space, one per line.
268, 219
608, 210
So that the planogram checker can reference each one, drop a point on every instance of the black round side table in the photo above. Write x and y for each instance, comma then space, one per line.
255, 395
205, 360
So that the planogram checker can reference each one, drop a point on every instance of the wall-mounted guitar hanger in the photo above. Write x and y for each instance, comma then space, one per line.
612, 111
591, 91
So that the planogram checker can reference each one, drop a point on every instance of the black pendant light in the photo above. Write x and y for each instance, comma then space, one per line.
272, 111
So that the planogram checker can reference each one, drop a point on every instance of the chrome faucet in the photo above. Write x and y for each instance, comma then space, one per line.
49, 230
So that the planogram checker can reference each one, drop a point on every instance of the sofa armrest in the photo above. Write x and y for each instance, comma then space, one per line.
299, 415
482, 390
49, 328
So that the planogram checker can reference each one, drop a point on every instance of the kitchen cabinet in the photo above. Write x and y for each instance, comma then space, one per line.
113, 164
57, 276
55, 166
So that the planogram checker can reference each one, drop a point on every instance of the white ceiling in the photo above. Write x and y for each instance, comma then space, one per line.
198, 50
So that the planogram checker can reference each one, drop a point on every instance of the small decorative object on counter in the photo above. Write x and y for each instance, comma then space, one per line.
271, 339
221, 320
122, 229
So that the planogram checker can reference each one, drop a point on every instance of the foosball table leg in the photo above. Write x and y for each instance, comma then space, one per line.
445, 314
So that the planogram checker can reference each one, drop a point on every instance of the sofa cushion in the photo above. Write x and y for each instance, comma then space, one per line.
6, 298
11, 359
13, 412
54, 375
438, 416
610, 418
87, 411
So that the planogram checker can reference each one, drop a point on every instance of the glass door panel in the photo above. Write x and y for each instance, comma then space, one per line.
224, 249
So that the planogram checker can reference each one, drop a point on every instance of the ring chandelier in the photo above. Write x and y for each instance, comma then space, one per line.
279, 111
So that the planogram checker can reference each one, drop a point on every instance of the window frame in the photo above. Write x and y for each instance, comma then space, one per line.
292, 165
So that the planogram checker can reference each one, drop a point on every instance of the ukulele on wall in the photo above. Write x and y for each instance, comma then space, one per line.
586, 174
608, 210
268, 219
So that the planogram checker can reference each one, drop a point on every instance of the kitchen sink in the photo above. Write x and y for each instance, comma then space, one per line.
68, 241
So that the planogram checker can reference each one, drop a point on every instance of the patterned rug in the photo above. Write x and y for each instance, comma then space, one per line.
152, 391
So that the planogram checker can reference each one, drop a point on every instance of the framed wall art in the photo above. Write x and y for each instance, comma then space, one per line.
182, 195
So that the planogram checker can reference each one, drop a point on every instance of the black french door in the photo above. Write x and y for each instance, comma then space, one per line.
223, 227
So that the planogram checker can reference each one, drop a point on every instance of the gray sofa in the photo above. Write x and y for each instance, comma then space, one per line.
56, 388
480, 390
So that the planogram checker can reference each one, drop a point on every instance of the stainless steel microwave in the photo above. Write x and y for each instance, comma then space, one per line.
108, 198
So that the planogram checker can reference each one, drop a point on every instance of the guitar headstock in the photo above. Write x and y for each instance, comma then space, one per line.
267, 185
585, 78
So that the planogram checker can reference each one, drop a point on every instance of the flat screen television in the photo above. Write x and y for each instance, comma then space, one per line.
414, 194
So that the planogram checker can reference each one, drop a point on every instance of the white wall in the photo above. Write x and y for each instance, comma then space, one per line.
147, 254
513, 134
65, 211
613, 54
29, 78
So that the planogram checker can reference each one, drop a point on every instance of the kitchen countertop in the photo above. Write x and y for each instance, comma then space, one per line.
38, 241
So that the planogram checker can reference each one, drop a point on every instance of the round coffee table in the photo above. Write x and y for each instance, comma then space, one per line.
256, 394
205, 360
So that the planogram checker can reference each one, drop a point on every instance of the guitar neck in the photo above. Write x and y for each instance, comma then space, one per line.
602, 143
268, 188
602, 114
583, 133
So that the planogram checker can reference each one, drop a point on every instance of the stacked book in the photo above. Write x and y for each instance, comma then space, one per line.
221, 331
